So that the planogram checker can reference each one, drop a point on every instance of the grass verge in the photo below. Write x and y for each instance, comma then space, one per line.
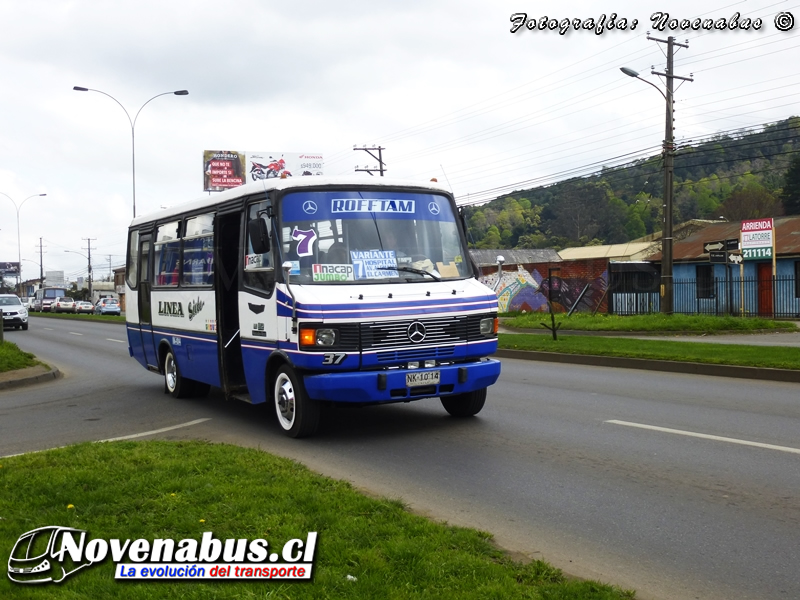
106, 318
12, 358
776, 357
181, 489
648, 323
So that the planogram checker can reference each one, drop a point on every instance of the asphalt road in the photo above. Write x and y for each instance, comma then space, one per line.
563, 463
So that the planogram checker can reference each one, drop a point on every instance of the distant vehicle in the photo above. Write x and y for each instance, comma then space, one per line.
27, 302
45, 297
63, 304
84, 308
107, 306
14, 313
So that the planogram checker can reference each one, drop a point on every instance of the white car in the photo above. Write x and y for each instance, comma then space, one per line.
14, 313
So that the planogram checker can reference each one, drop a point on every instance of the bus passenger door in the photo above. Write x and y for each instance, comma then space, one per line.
145, 306
226, 253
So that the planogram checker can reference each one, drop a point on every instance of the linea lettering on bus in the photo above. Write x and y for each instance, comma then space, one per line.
351, 205
170, 309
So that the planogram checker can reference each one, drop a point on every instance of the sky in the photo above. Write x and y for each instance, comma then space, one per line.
443, 86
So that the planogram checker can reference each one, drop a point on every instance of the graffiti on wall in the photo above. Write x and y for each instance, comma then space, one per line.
528, 291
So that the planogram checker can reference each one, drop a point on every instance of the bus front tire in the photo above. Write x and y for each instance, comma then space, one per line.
468, 404
298, 415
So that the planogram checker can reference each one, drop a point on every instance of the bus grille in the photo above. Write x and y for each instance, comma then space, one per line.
439, 332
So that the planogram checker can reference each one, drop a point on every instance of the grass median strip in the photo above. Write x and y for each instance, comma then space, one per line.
655, 322
775, 357
367, 548
12, 358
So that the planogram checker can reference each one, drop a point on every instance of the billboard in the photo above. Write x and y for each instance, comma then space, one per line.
225, 169
9, 269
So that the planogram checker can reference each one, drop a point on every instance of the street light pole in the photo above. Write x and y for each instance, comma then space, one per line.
19, 246
89, 258
132, 123
667, 296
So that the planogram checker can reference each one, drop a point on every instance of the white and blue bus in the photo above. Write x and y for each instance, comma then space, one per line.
307, 291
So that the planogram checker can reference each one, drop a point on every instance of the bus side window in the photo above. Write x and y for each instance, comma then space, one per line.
198, 251
167, 249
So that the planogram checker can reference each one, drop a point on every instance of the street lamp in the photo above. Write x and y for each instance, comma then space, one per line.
133, 127
19, 249
89, 258
669, 155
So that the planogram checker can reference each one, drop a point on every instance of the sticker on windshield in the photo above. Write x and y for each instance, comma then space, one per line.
374, 264
305, 241
332, 272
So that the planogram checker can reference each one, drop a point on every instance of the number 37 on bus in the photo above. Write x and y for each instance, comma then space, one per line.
309, 292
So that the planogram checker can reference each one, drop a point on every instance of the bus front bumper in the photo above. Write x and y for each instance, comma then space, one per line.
391, 385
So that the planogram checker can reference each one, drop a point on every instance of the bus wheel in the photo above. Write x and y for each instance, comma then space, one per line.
468, 404
174, 383
297, 414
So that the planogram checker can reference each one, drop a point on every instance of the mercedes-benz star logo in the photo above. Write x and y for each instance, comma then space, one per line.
309, 207
416, 332
434, 208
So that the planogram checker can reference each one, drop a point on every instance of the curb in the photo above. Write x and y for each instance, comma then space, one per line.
667, 366
30, 376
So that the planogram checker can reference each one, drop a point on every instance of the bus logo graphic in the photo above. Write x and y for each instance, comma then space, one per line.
39, 556
434, 208
416, 332
195, 307
309, 207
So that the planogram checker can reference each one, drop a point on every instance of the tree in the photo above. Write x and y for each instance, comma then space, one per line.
750, 202
791, 188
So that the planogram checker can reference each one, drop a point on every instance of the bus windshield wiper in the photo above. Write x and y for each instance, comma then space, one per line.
409, 270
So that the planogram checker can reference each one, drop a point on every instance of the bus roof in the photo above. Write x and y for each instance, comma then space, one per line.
267, 185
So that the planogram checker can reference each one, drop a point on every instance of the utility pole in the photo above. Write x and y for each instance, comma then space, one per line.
381, 166
89, 249
41, 265
667, 297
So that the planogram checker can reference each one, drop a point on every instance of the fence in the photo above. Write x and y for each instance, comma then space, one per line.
777, 297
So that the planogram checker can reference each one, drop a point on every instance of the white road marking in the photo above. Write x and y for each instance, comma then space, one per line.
124, 437
47, 328
155, 431
74, 333
118, 341
706, 436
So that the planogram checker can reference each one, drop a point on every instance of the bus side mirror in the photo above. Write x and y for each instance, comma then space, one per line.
259, 235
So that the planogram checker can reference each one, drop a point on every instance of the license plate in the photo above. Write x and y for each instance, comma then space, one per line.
422, 378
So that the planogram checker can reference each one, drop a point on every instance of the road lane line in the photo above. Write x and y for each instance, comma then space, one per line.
155, 431
706, 436
73, 333
125, 437
118, 341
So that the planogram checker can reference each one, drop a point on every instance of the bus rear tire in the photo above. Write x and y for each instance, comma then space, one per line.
174, 383
468, 404
297, 414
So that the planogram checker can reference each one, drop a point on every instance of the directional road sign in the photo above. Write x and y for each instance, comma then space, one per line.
731, 244
717, 256
735, 258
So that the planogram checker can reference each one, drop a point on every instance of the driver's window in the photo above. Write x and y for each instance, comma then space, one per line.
259, 268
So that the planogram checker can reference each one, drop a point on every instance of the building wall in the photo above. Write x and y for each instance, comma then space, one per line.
526, 287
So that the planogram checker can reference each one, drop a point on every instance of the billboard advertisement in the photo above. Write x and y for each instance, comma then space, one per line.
222, 170
225, 169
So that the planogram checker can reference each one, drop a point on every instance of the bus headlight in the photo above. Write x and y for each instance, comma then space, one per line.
317, 337
489, 326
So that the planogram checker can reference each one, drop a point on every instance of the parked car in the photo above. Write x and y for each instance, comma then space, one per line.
63, 304
14, 313
107, 306
84, 308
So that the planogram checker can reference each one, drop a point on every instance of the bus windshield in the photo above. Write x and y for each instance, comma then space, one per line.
370, 237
